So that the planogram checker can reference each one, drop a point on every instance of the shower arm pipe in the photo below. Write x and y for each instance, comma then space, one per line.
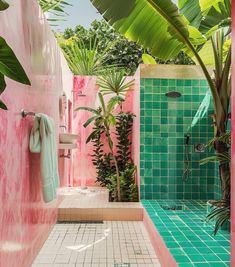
25, 113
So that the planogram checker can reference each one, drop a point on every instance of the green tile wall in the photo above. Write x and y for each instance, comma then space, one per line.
164, 121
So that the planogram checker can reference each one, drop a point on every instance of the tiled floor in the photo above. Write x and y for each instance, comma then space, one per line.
189, 239
111, 244
93, 204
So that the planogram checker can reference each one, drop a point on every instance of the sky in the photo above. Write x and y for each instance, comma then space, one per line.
81, 12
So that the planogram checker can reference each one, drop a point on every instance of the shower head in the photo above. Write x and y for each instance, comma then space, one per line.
173, 94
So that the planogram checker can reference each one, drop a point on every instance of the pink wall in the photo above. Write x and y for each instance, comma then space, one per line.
24, 218
136, 126
233, 142
84, 172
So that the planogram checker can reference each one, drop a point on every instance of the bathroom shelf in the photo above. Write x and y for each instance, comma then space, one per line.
67, 146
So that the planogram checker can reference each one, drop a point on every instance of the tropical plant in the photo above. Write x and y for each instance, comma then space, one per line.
101, 160
113, 82
56, 8
123, 130
125, 53
9, 64
128, 185
84, 60
221, 210
195, 28
105, 119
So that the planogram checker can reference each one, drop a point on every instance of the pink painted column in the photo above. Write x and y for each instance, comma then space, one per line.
233, 142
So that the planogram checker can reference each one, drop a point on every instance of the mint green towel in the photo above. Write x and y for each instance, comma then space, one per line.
42, 140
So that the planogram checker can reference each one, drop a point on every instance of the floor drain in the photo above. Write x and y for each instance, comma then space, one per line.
122, 264
138, 252
80, 222
173, 207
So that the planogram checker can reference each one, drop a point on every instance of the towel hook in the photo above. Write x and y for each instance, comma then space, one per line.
25, 113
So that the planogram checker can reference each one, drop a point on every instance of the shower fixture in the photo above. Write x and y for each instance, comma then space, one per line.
185, 175
173, 94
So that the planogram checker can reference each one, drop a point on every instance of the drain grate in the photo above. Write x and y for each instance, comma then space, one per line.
173, 207
80, 222
122, 264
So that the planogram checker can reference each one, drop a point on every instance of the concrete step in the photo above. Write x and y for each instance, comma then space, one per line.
92, 205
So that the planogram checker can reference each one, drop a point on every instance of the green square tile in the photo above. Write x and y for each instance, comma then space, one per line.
181, 259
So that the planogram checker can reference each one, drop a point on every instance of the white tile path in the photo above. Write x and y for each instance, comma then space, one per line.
111, 244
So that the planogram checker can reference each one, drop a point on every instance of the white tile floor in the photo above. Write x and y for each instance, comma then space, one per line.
111, 244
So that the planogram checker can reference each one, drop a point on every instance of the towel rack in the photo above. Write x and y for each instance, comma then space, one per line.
25, 113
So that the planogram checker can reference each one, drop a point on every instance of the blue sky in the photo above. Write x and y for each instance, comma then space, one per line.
82, 12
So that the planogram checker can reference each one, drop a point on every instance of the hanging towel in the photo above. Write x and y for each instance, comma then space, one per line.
43, 141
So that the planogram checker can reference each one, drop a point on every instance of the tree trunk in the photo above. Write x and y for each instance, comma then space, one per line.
118, 179
224, 171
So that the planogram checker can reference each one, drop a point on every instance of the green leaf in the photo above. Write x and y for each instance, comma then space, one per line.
206, 53
155, 24
3, 5
88, 109
144, 23
91, 136
192, 11
2, 83
147, 59
9, 64
2, 105
89, 121
113, 102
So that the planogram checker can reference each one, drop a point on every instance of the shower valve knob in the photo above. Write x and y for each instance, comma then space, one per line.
199, 148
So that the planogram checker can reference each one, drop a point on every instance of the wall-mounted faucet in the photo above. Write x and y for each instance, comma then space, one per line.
68, 156
63, 127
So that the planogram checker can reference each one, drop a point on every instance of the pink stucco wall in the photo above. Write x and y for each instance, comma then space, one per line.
83, 171
24, 218
233, 142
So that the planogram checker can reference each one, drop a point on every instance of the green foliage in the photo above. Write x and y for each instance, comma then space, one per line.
123, 53
129, 190
9, 64
113, 82
123, 130
3, 5
56, 8
220, 212
102, 161
115, 170
85, 60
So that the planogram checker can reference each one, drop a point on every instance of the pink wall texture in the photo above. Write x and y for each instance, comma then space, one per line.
83, 171
24, 218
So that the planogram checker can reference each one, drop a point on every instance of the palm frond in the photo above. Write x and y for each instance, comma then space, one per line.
56, 8
113, 82
85, 60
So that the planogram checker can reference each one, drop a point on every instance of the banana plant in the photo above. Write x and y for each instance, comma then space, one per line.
105, 118
198, 27
9, 64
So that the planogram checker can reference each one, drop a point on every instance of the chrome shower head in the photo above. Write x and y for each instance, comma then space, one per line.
173, 94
